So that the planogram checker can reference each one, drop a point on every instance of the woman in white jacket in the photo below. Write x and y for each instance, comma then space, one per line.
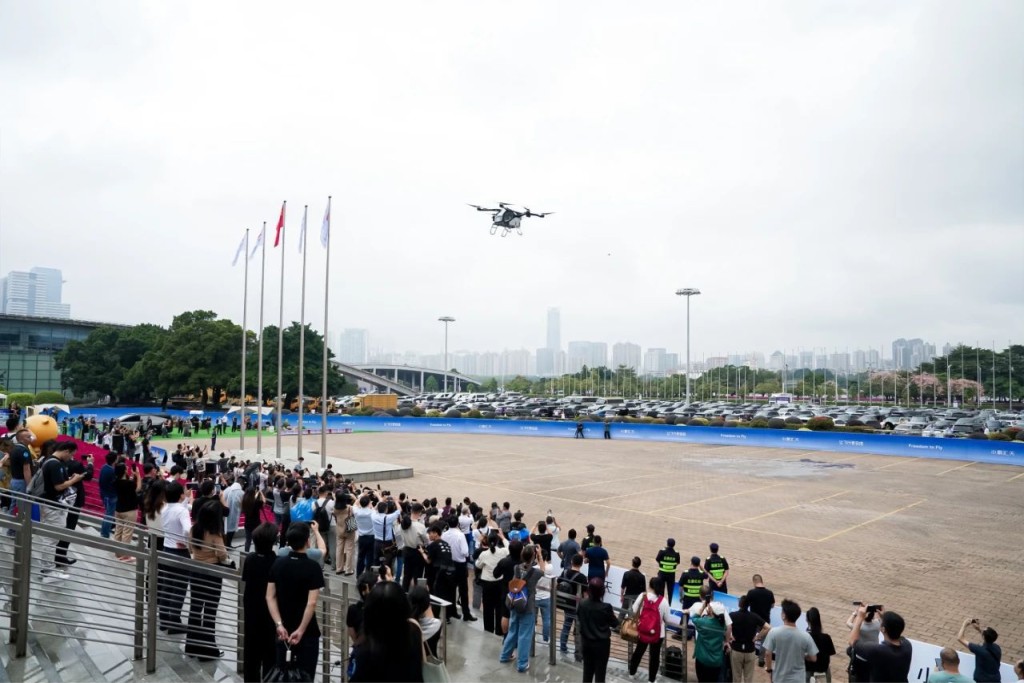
655, 600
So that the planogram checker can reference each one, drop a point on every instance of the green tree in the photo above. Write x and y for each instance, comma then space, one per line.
199, 352
431, 384
491, 385
101, 362
313, 370
518, 383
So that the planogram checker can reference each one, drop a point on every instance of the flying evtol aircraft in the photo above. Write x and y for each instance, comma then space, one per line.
508, 218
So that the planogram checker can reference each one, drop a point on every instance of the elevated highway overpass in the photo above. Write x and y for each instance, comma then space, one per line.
404, 380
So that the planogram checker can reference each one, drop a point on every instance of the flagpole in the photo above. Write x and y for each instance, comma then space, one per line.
323, 396
302, 326
259, 374
245, 312
280, 341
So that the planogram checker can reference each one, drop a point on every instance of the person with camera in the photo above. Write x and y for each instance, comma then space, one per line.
987, 656
885, 661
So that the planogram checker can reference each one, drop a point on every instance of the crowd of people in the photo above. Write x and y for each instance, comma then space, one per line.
403, 551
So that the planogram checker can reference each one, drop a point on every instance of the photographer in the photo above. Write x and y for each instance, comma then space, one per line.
885, 661
869, 633
987, 656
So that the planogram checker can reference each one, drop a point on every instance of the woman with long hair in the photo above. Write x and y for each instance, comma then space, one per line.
126, 510
826, 648
654, 600
493, 551
595, 620
423, 613
260, 632
252, 507
393, 645
152, 507
522, 625
206, 542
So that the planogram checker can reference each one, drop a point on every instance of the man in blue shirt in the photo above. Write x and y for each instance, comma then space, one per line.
598, 562
108, 494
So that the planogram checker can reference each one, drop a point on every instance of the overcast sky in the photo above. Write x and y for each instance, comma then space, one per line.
829, 174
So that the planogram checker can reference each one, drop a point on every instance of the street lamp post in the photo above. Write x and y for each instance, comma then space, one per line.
687, 292
446, 319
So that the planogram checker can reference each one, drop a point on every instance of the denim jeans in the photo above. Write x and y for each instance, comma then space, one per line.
109, 504
17, 486
521, 627
544, 607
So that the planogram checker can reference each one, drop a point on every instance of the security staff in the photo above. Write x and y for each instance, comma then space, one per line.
717, 568
668, 559
690, 583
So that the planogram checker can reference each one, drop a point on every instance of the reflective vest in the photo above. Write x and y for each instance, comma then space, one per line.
691, 581
715, 566
668, 562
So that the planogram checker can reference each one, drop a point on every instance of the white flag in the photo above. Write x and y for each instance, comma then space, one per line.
302, 232
259, 242
325, 229
238, 252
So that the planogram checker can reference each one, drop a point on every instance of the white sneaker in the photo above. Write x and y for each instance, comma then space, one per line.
55, 574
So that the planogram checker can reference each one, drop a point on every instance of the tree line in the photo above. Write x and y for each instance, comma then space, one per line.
198, 355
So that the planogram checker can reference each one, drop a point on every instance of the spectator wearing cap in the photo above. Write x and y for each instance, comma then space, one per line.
589, 540
717, 568
987, 656
690, 583
668, 561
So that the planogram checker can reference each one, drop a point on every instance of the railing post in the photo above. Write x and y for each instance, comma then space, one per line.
325, 623
140, 595
153, 569
240, 609
344, 633
553, 632
23, 576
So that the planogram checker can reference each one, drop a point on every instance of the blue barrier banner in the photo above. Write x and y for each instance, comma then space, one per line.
993, 452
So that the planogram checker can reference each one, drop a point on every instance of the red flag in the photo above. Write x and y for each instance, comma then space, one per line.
280, 225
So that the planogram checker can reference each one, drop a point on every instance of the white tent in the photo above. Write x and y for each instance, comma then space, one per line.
61, 407
251, 410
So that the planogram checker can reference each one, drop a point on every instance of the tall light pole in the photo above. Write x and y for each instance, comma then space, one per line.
687, 292
446, 319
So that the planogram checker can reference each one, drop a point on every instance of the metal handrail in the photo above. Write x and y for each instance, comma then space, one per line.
139, 608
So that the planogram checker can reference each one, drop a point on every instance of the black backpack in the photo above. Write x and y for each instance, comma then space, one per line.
566, 584
320, 516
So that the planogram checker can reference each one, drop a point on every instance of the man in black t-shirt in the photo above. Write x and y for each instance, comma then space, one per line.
20, 463
746, 627
761, 600
440, 569
292, 594
634, 584
572, 581
59, 492
888, 661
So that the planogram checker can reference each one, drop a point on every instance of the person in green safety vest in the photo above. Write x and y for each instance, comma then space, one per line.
690, 583
717, 568
667, 560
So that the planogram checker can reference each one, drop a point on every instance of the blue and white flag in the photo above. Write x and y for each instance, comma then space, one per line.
259, 241
325, 229
238, 252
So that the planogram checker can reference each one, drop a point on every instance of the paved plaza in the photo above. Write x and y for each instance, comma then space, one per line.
936, 540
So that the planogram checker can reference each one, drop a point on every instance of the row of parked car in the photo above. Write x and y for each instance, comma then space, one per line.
933, 422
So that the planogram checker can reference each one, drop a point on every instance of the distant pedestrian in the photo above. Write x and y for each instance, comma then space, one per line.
579, 430
607, 429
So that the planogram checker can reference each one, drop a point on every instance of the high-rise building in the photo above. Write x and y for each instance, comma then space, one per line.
585, 353
35, 293
554, 329
516, 362
550, 362
908, 354
776, 361
655, 362
626, 354
353, 346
